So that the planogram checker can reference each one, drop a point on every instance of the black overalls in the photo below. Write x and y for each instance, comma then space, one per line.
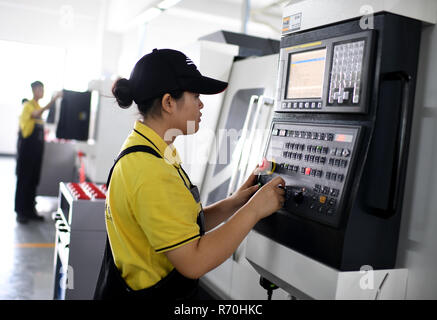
174, 286
29, 160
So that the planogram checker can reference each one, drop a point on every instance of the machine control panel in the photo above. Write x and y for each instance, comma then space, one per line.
315, 161
329, 75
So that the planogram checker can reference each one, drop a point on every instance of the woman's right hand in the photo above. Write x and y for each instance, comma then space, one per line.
270, 198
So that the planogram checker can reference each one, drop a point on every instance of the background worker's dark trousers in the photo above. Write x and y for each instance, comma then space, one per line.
29, 160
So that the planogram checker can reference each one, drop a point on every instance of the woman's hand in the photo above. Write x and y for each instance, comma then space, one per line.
269, 199
245, 192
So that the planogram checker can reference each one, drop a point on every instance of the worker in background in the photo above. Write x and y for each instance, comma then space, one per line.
30, 148
161, 241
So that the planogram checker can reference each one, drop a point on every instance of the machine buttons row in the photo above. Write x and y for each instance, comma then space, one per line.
311, 172
326, 190
340, 152
292, 155
302, 105
294, 146
334, 176
315, 159
317, 149
337, 162
303, 134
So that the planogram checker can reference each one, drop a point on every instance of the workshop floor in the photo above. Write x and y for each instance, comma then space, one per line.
26, 268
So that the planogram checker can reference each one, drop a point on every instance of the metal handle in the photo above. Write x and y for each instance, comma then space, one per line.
253, 100
262, 102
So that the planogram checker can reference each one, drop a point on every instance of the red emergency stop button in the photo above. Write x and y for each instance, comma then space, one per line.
307, 171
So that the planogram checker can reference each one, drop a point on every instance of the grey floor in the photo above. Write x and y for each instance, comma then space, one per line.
26, 251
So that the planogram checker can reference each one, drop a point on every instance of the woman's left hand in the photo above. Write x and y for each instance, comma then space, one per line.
245, 192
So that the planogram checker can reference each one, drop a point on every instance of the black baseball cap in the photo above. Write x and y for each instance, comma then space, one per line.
166, 70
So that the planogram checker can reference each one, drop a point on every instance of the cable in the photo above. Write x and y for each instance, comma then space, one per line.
269, 286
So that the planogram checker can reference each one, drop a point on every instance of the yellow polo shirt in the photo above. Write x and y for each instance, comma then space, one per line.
27, 123
149, 210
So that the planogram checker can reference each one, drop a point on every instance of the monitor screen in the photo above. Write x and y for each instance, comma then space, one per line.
306, 73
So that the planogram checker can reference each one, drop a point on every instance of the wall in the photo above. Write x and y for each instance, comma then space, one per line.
417, 243
75, 27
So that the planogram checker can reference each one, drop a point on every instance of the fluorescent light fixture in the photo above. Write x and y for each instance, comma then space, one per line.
164, 5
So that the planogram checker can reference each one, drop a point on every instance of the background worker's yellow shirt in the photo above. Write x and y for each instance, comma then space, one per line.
27, 123
149, 210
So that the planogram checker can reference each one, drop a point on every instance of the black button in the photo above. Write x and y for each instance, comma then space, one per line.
340, 177
344, 163
284, 154
337, 162
287, 145
307, 156
325, 190
303, 134
315, 135
332, 202
322, 160
328, 175
331, 161
302, 147
313, 172
319, 173
333, 176
325, 150
322, 136
299, 156
317, 159
313, 149
294, 155
330, 212
312, 158
330, 137
308, 135
302, 170
291, 146
296, 168
308, 148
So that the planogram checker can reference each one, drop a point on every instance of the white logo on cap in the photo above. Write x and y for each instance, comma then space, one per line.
188, 61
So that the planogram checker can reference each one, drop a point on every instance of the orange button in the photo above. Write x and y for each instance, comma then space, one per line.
322, 199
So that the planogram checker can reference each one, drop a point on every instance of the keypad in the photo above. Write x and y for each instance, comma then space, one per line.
345, 80
317, 159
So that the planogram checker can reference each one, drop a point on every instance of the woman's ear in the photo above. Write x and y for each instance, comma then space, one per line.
167, 103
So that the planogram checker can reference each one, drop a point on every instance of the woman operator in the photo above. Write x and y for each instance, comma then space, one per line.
159, 244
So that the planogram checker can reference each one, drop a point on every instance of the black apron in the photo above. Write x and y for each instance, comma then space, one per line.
111, 285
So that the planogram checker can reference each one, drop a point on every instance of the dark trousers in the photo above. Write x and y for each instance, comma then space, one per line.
29, 160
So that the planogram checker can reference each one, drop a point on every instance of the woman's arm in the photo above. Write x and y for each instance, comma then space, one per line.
198, 257
222, 210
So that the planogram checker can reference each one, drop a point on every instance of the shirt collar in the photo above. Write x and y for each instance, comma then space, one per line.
168, 151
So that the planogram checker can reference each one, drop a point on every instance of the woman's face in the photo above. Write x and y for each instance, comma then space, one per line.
188, 113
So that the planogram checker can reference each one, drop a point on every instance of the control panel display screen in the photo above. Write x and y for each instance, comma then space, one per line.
306, 73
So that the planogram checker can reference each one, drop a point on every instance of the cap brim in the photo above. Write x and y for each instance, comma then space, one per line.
204, 85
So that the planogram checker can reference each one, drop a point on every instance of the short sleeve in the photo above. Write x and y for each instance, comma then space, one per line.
26, 123
165, 209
